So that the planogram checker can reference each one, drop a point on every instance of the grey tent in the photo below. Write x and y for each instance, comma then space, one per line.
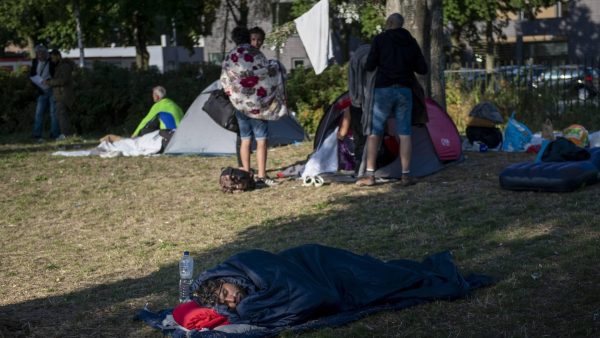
487, 110
199, 134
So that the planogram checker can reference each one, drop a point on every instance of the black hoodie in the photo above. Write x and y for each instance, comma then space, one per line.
397, 56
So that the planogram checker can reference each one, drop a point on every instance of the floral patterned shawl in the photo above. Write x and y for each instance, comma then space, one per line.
254, 84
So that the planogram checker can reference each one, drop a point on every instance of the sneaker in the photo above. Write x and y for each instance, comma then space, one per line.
366, 181
406, 181
265, 182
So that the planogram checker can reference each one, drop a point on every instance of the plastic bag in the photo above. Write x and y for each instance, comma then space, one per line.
595, 139
516, 135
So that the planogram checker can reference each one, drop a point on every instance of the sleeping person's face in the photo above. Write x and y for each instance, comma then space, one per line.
230, 295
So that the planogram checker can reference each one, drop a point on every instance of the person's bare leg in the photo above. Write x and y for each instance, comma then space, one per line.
372, 150
405, 152
372, 147
245, 154
261, 157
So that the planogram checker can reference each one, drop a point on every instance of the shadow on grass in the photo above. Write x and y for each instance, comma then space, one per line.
491, 231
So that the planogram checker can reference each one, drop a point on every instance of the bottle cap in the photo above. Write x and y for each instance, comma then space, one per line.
186, 253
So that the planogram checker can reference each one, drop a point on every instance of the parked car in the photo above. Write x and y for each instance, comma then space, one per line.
523, 75
576, 81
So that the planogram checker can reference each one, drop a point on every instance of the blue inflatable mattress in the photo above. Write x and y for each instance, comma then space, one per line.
552, 176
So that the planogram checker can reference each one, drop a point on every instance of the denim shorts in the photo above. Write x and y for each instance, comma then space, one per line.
249, 127
394, 101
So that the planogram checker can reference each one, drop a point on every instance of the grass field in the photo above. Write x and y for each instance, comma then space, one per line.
85, 242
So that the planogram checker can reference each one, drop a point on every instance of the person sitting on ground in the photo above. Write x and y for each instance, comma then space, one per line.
165, 114
350, 126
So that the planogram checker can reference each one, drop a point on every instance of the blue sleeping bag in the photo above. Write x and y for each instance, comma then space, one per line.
312, 281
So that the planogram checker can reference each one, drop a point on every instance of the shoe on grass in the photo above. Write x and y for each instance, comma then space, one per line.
366, 181
265, 182
406, 181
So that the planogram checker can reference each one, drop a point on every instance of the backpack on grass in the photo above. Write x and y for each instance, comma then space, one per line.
236, 180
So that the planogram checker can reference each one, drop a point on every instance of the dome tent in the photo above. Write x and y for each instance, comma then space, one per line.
199, 134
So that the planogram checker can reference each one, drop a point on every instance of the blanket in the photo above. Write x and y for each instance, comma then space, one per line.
254, 84
148, 144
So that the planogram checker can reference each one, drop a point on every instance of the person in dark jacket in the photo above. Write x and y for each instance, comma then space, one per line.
62, 88
396, 56
42, 66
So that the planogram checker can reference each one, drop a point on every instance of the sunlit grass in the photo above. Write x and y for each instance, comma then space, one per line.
85, 242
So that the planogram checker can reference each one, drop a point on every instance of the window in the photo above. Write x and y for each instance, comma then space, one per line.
216, 58
297, 63
281, 12
563, 9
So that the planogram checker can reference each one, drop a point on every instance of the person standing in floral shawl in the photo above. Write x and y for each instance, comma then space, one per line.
255, 88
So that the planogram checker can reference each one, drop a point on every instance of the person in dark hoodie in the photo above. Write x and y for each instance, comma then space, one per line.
396, 56
62, 88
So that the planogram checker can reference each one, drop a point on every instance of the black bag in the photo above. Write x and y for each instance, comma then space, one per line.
236, 180
563, 150
220, 109
492, 137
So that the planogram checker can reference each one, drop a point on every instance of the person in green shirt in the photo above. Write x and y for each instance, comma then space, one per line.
164, 114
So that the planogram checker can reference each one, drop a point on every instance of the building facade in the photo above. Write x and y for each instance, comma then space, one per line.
163, 58
563, 33
265, 15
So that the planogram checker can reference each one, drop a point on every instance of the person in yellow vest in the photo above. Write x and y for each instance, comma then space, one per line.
165, 114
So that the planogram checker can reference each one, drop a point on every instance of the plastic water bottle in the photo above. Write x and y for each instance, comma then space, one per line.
186, 272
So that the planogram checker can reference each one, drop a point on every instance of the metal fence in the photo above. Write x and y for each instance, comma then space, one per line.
556, 87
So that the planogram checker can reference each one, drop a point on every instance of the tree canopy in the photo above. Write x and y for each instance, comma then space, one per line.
104, 22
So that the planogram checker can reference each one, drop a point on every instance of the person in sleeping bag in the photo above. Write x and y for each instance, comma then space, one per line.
310, 281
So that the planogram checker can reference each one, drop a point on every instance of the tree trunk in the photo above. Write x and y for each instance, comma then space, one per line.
392, 6
489, 47
422, 26
242, 9
142, 57
77, 13
225, 34
31, 47
437, 64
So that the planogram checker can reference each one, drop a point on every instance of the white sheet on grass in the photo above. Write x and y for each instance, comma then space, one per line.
325, 159
148, 144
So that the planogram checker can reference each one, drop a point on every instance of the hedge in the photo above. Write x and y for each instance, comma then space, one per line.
114, 100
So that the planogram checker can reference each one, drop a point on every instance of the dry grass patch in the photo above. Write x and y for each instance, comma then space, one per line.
85, 242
